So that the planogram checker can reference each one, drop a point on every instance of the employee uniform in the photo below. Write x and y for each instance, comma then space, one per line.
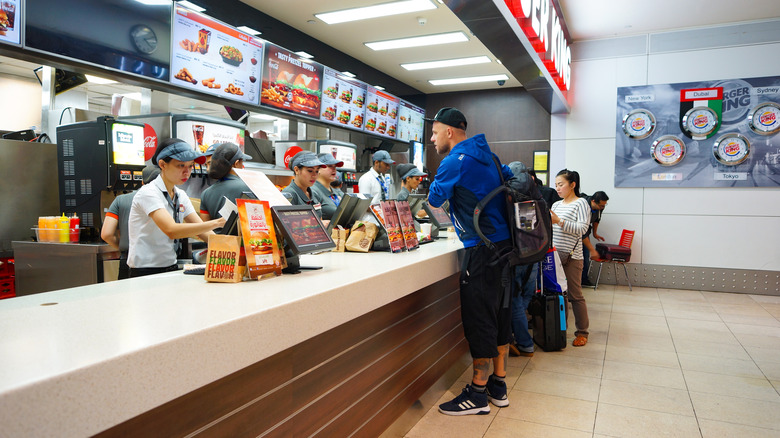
297, 196
327, 199
376, 185
403, 194
151, 248
120, 210
213, 198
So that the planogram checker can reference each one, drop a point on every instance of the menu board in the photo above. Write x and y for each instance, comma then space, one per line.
381, 112
411, 126
343, 100
214, 58
290, 82
10, 21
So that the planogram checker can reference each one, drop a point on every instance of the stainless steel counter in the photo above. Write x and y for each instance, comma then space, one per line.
48, 266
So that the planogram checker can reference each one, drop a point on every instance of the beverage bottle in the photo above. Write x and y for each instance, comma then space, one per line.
74, 228
63, 228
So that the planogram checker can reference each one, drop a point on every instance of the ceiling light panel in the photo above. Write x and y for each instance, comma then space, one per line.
381, 10
249, 30
446, 63
192, 6
469, 80
426, 40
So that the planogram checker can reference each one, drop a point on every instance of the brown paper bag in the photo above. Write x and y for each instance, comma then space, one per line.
339, 235
224, 261
361, 237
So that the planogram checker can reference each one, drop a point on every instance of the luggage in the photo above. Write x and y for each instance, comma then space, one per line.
549, 320
617, 253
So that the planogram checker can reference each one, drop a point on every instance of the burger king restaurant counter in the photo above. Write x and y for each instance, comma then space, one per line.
346, 349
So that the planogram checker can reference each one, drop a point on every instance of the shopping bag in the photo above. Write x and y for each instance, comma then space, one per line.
223, 259
552, 270
339, 235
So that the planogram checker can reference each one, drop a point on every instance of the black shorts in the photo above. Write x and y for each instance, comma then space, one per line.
486, 322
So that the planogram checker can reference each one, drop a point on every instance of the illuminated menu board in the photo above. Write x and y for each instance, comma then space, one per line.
290, 82
343, 100
214, 58
381, 112
411, 126
10, 21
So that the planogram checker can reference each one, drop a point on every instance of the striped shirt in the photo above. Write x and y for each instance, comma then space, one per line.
576, 220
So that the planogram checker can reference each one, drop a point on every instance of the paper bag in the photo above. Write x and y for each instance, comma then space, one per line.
339, 235
361, 237
223, 259
552, 270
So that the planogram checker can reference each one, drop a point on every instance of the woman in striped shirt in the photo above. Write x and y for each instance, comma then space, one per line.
571, 218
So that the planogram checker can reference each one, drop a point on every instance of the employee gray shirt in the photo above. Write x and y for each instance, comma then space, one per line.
323, 196
120, 208
298, 197
403, 195
213, 198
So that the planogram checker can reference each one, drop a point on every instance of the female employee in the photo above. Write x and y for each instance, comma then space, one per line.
410, 179
162, 213
321, 188
225, 158
571, 219
306, 167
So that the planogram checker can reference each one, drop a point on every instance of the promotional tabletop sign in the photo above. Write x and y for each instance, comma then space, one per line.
392, 224
411, 126
343, 100
381, 112
260, 245
699, 134
291, 83
224, 255
212, 57
407, 225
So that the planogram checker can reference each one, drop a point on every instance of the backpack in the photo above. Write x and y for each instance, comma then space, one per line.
528, 217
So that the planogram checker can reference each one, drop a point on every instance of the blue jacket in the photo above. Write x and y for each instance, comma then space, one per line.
465, 176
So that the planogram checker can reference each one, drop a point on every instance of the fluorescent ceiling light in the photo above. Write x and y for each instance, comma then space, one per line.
99, 81
427, 40
446, 63
381, 10
379, 87
348, 73
265, 117
192, 6
154, 2
249, 30
469, 80
304, 55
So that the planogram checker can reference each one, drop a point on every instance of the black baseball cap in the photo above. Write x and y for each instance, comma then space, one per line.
450, 116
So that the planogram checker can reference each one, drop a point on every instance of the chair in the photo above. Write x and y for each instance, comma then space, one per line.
617, 254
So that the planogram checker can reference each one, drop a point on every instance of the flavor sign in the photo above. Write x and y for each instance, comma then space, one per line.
214, 58
291, 83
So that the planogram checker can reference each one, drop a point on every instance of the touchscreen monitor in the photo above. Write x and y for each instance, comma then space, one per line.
302, 230
127, 144
350, 209
416, 202
439, 217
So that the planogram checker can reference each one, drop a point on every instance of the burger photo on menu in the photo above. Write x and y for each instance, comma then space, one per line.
344, 116
329, 113
346, 96
331, 92
383, 110
359, 101
391, 131
358, 121
373, 106
393, 113
306, 92
371, 124
382, 127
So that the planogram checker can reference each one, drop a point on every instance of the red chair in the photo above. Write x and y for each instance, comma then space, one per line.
617, 254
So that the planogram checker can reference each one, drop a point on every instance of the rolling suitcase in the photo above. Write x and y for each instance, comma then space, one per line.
548, 311
608, 251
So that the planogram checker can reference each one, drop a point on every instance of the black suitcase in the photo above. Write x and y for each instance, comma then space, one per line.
549, 321
617, 253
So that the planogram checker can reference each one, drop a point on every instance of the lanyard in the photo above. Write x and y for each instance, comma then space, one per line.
174, 204
384, 187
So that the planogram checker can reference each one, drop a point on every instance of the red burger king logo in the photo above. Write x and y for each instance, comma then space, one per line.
732, 149
700, 121
667, 151
637, 124
768, 118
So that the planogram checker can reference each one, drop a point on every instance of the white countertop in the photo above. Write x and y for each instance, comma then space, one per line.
108, 352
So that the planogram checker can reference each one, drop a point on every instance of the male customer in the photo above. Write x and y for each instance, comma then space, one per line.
598, 202
466, 174
376, 182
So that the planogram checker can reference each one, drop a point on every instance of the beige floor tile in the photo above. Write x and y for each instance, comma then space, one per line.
437, 425
716, 349
770, 369
594, 349
773, 309
562, 385
504, 427
659, 343
703, 335
551, 410
766, 299
776, 384
692, 314
698, 326
746, 387
675, 295
753, 309
754, 328
761, 354
642, 356
567, 364
648, 397
728, 298
720, 429
766, 321
736, 410
644, 374
759, 340
619, 421
627, 327
719, 365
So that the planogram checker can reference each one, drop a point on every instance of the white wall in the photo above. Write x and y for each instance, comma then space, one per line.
718, 228
24, 104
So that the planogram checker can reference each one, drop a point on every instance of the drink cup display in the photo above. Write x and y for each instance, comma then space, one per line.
425, 229
197, 132
204, 37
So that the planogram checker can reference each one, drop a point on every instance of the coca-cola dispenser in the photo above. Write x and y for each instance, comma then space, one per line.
94, 157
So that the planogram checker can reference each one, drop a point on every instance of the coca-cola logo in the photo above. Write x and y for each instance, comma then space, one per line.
291, 151
150, 141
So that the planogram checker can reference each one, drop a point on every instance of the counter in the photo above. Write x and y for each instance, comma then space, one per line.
173, 355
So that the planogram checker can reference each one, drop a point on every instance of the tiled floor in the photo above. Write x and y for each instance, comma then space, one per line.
659, 363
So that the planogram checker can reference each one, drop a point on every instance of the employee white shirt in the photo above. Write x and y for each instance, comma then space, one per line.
369, 185
149, 246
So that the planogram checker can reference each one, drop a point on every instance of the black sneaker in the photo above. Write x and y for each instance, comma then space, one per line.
496, 392
467, 403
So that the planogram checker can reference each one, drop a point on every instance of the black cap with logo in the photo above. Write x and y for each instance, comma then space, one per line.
450, 116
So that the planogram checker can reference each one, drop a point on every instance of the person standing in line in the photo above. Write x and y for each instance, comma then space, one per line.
525, 284
114, 231
321, 188
465, 175
597, 202
376, 183
549, 194
571, 218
